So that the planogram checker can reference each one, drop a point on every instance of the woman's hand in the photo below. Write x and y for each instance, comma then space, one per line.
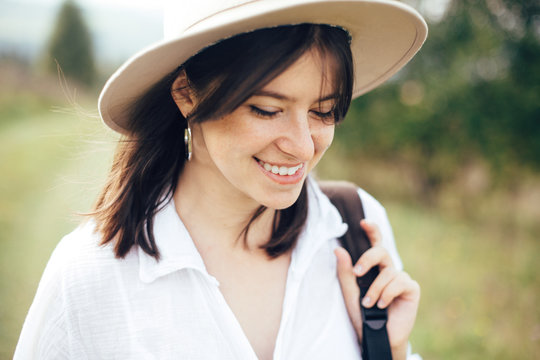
391, 289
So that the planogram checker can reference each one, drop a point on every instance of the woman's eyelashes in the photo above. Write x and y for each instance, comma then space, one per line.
263, 113
323, 115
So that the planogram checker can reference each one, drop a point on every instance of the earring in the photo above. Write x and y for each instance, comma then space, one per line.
188, 142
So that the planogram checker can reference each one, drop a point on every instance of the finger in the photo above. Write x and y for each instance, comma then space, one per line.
372, 231
344, 263
376, 255
375, 290
349, 288
402, 286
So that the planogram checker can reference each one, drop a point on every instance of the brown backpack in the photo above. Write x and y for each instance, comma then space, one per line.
344, 196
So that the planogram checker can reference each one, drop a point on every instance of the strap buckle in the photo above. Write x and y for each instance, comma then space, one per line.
375, 343
374, 317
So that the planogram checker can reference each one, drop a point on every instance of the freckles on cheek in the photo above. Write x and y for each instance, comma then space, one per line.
259, 138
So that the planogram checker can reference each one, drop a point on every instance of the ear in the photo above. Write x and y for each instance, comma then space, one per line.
183, 94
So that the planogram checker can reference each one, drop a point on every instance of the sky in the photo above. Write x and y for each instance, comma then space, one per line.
119, 27
133, 4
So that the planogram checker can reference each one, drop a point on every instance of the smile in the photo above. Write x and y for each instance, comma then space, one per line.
280, 170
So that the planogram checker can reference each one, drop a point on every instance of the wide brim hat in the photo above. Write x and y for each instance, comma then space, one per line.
385, 35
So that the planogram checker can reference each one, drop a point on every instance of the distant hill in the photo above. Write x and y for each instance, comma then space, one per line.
118, 33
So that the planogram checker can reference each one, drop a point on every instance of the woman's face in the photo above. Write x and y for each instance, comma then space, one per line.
263, 151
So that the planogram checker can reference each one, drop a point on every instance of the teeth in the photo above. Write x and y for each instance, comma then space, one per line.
281, 170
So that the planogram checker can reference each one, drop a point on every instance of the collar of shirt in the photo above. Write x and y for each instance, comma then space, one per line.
178, 251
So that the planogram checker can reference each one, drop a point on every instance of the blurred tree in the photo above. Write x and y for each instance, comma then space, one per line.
71, 45
472, 93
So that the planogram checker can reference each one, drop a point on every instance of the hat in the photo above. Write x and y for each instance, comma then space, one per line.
385, 35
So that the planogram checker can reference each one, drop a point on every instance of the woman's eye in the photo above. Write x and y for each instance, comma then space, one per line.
263, 113
324, 115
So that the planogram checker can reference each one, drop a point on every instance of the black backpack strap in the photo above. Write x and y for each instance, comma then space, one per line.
344, 196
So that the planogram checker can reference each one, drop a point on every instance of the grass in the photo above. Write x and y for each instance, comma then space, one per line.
480, 286
480, 278
479, 272
51, 167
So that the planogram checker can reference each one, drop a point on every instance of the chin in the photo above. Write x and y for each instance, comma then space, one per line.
282, 200
281, 205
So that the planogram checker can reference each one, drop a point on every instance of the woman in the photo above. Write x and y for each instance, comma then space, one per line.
210, 240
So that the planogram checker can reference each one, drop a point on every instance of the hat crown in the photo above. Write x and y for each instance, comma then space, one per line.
180, 15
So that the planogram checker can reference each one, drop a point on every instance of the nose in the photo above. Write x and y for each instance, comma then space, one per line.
296, 138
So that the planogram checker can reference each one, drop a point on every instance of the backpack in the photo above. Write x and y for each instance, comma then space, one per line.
344, 196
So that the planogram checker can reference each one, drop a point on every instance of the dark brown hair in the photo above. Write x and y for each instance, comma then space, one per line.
147, 163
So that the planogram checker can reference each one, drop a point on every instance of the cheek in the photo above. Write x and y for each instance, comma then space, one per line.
233, 138
323, 139
218, 134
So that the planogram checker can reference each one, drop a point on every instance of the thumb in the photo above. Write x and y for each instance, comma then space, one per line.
349, 288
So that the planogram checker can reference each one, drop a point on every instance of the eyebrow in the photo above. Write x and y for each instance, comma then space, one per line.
279, 96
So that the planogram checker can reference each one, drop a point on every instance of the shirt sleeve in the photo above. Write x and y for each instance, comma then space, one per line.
376, 213
44, 334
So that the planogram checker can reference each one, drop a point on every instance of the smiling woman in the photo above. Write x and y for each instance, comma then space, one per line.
249, 106
210, 239
283, 133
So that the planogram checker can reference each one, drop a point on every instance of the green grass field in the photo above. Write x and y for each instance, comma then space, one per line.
480, 278
52, 162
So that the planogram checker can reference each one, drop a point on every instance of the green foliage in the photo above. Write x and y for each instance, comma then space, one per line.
71, 46
473, 92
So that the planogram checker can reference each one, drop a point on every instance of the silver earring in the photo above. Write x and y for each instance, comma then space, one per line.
188, 142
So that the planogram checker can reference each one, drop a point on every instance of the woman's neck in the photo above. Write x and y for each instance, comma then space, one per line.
217, 216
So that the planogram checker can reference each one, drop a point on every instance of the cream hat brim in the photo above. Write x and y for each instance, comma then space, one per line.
385, 35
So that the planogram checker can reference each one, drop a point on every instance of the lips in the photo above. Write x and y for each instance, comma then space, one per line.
280, 170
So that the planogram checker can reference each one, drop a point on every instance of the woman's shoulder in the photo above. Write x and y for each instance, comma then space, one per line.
80, 275
82, 244
374, 212
372, 207
80, 257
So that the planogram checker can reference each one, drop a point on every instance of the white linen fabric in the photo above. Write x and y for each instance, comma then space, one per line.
90, 305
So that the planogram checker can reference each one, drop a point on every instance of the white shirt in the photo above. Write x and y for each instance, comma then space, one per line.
90, 305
